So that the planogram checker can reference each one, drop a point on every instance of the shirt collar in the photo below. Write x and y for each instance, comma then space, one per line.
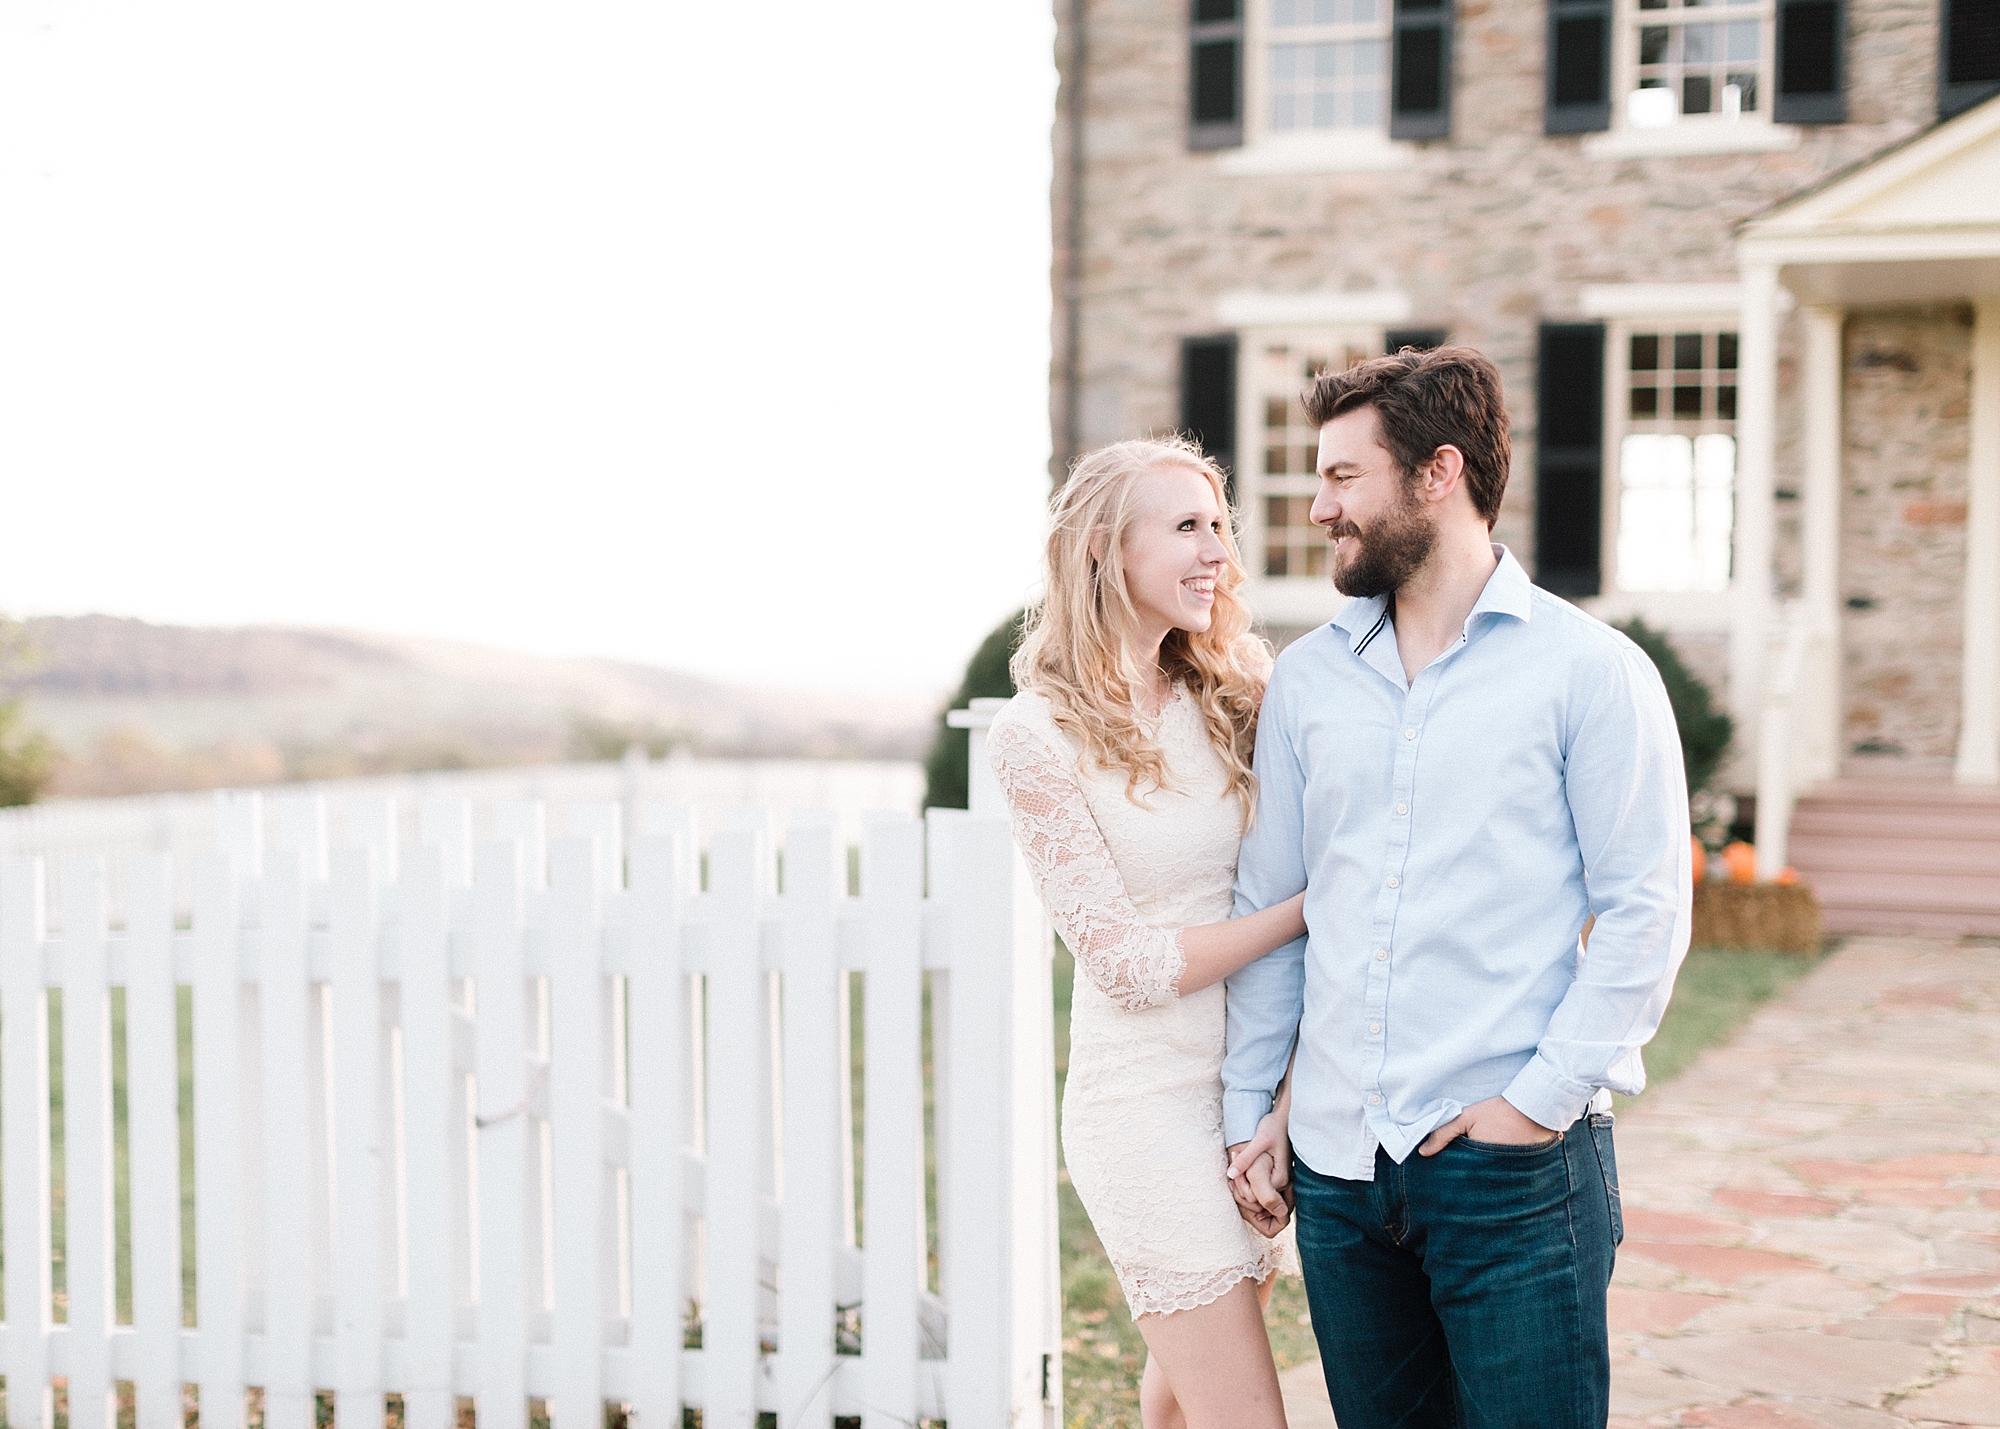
1507, 592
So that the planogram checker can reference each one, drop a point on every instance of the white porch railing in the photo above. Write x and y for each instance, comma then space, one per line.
530, 1119
1796, 734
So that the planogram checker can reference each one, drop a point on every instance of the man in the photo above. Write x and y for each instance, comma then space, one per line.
1461, 771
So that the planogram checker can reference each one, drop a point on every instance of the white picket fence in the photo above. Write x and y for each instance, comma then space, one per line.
184, 824
523, 1119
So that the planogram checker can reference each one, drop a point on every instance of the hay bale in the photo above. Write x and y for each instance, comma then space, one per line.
1747, 916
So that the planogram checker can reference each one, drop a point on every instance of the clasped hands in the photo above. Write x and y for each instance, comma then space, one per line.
1260, 1169
1260, 1176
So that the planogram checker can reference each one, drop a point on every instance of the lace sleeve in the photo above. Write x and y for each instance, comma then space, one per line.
1135, 965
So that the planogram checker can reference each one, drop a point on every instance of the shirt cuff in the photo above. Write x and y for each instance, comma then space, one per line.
1241, 1111
1544, 1095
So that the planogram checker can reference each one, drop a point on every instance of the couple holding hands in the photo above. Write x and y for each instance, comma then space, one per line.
1328, 919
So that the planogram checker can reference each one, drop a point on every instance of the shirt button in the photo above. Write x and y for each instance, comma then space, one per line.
1409, 734
1402, 808
1395, 883
1375, 1027
1375, 1099
1381, 955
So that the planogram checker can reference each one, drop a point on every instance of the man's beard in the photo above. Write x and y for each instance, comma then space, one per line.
1391, 551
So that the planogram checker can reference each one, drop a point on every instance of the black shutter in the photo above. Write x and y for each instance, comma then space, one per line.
1579, 67
1208, 398
1421, 338
1968, 54
1420, 71
1215, 74
1569, 467
1812, 62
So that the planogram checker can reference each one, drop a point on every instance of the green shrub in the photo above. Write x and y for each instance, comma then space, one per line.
27, 758
1705, 730
986, 677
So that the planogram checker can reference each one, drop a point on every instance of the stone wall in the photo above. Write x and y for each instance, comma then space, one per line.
1902, 540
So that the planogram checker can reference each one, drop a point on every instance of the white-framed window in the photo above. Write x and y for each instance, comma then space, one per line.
1316, 87
1670, 455
1278, 450
1685, 61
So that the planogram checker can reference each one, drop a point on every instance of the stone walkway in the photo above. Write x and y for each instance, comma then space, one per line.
1812, 1213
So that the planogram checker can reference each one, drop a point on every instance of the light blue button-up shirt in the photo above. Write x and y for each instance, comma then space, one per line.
1453, 835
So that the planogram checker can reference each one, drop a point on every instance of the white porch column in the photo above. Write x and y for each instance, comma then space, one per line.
1756, 426
1978, 728
1822, 377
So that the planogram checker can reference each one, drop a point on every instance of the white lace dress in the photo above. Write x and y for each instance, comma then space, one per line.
1142, 1111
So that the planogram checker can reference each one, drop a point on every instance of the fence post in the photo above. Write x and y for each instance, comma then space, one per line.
739, 882
360, 1145
502, 1401
815, 883
576, 1125
892, 872
285, 1004
219, 1130
437, 1214
152, 1083
660, 883
24, 1075
87, 1212
1006, 1331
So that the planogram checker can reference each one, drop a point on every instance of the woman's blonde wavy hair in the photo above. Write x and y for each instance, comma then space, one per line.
1076, 652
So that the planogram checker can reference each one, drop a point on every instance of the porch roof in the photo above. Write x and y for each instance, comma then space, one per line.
1918, 222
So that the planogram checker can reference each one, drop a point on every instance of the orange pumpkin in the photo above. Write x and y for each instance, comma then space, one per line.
1787, 876
1741, 860
1700, 860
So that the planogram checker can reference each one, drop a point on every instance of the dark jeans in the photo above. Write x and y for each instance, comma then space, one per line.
1466, 1290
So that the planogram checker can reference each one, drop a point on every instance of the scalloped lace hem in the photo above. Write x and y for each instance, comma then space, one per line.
1157, 1293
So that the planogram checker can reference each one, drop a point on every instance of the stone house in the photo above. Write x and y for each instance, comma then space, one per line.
1739, 264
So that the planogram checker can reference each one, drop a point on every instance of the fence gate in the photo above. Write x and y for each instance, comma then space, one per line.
703, 1123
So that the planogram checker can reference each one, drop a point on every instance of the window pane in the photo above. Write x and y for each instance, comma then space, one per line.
1740, 41
1655, 513
1676, 487
1330, 85
1276, 412
1698, 44
1274, 460
1695, 94
1653, 44
1746, 90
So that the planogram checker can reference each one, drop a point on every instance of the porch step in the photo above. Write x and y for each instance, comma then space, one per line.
1901, 856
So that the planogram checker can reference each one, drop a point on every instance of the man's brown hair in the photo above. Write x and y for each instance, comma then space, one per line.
1448, 396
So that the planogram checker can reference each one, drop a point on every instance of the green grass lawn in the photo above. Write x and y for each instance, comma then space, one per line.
1102, 1353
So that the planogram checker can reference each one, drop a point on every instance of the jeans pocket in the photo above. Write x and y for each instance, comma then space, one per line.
1607, 1163
1511, 1148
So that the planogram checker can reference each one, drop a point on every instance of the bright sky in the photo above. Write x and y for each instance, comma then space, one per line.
714, 336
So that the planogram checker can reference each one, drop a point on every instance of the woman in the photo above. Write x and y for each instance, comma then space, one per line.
1125, 761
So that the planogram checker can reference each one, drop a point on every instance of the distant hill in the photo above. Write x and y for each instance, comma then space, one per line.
137, 707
